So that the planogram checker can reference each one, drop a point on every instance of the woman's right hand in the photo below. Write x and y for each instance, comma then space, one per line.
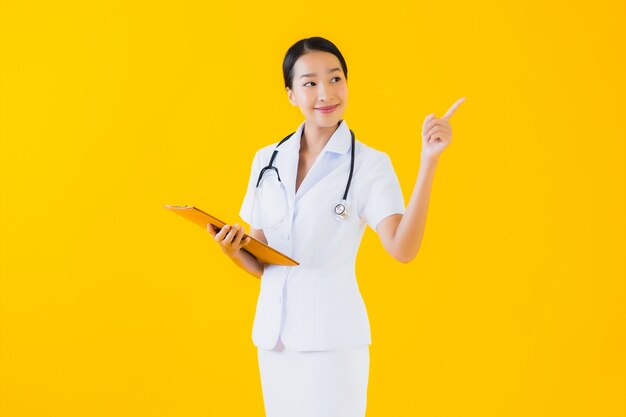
229, 238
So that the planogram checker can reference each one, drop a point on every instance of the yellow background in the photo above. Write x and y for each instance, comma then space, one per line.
113, 306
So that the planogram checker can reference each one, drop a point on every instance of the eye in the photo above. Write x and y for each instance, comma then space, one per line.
338, 78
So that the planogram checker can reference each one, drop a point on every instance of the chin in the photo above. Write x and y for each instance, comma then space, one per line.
328, 120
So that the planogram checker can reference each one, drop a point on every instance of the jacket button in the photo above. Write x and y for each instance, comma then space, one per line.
287, 236
280, 299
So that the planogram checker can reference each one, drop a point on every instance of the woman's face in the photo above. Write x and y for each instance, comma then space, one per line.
319, 81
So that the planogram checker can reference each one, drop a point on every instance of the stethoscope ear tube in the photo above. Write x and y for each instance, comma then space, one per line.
340, 210
345, 194
263, 170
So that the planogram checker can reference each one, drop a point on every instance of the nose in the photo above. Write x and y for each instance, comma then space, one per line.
324, 92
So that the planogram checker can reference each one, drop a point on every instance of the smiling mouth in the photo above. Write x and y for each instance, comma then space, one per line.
327, 108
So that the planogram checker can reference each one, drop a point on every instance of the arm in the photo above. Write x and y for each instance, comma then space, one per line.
230, 240
401, 235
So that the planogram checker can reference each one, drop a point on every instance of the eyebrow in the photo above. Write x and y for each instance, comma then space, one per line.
313, 74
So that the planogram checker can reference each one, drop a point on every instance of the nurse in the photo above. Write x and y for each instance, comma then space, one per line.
311, 196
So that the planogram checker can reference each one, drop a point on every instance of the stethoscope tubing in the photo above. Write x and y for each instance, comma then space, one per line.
340, 208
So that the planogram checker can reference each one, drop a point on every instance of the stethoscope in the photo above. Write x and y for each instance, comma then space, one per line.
340, 210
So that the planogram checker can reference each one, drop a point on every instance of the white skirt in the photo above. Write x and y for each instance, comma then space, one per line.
331, 383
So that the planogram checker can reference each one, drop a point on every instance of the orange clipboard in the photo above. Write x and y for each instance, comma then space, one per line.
256, 248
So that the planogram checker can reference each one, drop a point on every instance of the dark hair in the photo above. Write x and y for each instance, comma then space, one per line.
304, 46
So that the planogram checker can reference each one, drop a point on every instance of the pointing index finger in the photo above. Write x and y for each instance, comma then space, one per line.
452, 109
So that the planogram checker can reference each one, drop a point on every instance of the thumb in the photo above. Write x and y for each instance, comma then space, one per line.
246, 241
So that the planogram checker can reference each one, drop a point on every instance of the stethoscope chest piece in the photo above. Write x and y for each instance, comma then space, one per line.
341, 210
277, 192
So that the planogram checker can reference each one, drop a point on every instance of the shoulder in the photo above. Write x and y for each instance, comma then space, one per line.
369, 156
266, 150
262, 155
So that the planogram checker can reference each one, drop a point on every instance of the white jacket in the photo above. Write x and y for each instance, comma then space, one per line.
317, 305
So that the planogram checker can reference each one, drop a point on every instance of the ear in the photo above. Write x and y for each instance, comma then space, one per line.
290, 96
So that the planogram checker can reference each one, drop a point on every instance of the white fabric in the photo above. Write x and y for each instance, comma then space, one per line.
314, 384
324, 309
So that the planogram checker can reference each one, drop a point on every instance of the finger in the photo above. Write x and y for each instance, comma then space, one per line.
229, 237
436, 129
452, 109
427, 125
437, 136
440, 134
436, 122
214, 230
220, 235
246, 241
427, 119
238, 236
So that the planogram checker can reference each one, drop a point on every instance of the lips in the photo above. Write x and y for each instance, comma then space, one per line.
326, 108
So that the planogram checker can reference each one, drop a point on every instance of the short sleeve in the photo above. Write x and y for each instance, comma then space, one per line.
384, 195
246, 207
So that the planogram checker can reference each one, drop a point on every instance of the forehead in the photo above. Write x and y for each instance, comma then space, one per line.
316, 62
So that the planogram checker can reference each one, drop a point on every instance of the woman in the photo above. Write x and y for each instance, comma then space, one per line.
310, 197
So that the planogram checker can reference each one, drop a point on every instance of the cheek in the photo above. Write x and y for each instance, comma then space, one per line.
308, 98
302, 98
343, 93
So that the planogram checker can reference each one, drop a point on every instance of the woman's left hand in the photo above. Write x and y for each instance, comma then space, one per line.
437, 133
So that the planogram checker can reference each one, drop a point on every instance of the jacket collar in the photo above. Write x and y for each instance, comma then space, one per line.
339, 142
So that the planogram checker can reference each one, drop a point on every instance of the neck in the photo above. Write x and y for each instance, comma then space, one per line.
314, 138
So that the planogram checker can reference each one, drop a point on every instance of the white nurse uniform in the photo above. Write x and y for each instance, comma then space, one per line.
311, 326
